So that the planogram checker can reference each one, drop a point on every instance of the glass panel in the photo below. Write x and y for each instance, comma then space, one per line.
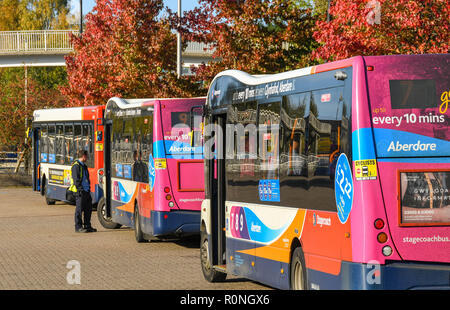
140, 149
268, 128
51, 144
77, 140
241, 152
59, 147
43, 144
269, 151
293, 112
69, 144
87, 144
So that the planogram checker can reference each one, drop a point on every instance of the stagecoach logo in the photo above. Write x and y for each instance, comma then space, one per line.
317, 220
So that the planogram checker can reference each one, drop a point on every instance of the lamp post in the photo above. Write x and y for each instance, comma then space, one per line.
328, 11
81, 16
179, 69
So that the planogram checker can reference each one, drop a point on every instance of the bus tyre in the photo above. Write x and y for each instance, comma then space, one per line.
209, 273
298, 270
137, 226
102, 218
48, 201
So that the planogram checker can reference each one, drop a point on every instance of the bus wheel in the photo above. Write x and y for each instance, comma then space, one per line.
102, 218
48, 201
137, 226
298, 270
209, 273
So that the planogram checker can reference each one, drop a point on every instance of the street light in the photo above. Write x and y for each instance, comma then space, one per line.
179, 72
81, 16
328, 11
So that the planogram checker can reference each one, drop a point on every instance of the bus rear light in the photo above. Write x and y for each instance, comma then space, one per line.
166, 190
387, 251
379, 223
370, 68
165, 216
168, 197
382, 237
171, 204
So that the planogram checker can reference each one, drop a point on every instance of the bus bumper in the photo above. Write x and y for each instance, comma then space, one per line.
390, 276
178, 223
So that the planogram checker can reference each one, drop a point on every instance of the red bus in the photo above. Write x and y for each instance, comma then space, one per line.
57, 135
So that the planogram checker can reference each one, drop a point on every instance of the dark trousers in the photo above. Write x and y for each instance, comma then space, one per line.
83, 206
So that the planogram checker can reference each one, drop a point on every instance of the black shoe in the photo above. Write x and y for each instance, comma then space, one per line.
81, 230
91, 229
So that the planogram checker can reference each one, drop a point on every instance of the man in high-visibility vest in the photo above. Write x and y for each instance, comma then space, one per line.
81, 188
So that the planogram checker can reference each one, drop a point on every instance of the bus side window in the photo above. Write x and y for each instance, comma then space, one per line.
241, 152
140, 153
294, 110
269, 139
197, 139
328, 125
77, 139
68, 144
127, 144
43, 144
116, 145
59, 147
87, 144
51, 144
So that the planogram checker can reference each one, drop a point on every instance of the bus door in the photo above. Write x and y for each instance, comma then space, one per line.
107, 165
217, 187
36, 160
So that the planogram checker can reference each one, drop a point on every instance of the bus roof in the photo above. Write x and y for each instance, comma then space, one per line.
123, 103
249, 79
128, 103
63, 114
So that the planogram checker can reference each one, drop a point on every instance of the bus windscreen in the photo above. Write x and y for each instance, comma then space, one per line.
179, 137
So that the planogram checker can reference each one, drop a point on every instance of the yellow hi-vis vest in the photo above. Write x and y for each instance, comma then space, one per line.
72, 187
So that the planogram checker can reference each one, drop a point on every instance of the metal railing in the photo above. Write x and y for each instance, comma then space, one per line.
9, 157
36, 42
198, 49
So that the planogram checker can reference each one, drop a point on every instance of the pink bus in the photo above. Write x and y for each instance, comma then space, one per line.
154, 180
341, 179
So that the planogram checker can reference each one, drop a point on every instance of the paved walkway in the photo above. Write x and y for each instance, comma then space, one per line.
37, 242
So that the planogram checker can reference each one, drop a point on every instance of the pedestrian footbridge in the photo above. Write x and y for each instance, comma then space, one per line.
39, 48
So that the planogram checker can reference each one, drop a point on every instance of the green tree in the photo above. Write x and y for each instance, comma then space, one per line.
43, 83
34, 14
10, 15
13, 109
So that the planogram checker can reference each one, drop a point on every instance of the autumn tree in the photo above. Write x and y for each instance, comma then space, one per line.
383, 27
13, 109
42, 83
254, 35
127, 50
